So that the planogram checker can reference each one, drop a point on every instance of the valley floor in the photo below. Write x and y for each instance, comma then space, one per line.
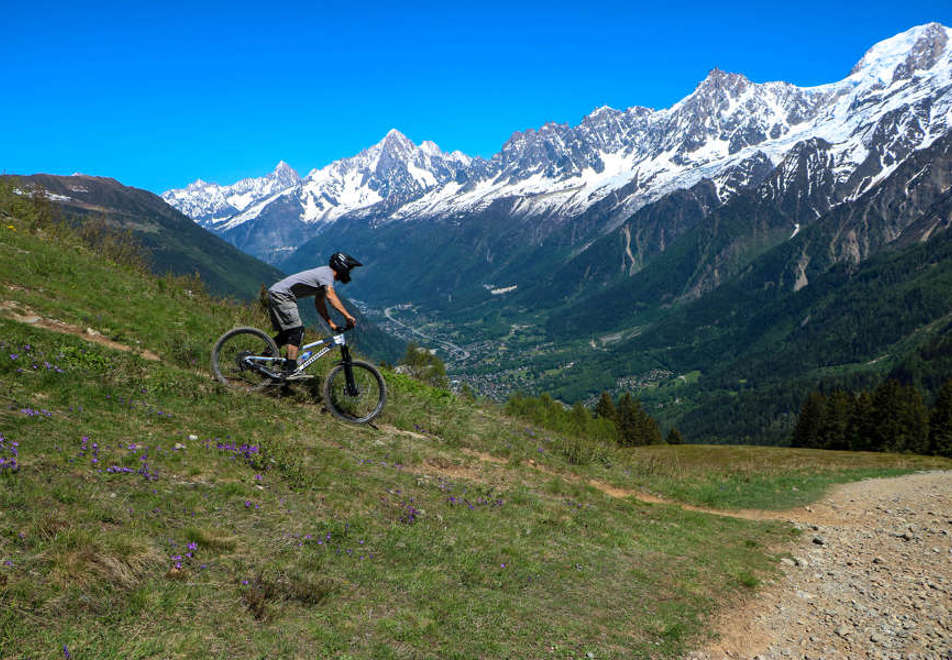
871, 576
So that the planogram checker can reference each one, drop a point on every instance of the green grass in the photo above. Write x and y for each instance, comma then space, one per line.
430, 536
749, 477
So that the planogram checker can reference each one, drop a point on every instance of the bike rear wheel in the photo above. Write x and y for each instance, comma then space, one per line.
361, 404
228, 358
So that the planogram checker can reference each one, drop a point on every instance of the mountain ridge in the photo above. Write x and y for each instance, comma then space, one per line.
557, 171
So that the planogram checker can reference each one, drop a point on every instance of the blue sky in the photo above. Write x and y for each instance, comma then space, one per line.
159, 95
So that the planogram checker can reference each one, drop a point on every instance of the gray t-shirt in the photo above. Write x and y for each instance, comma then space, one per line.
306, 283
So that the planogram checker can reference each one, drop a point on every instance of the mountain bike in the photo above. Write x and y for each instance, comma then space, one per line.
248, 359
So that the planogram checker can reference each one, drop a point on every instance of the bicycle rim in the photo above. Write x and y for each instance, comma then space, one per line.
371, 393
227, 358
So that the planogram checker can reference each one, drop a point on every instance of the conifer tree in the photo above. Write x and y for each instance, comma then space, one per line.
940, 422
807, 431
626, 420
581, 417
650, 431
674, 437
862, 421
835, 421
605, 407
901, 418
635, 426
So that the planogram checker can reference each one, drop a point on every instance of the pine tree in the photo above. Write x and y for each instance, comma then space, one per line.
807, 431
581, 418
901, 418
627, 422
605, 408
674, 437
940, 422
861, 424
835, 421
650, 431
635, 426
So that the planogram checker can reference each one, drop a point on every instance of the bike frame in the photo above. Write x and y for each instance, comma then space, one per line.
336, 340
331, 342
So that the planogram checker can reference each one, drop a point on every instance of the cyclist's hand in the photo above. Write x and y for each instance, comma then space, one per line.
332, 325
351, 321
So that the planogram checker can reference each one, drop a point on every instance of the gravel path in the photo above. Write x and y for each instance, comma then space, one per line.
870, 577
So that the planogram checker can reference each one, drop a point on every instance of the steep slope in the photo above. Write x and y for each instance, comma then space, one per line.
138, 483
173, 243
759, 347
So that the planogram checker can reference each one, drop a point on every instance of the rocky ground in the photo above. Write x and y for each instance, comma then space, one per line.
870, 577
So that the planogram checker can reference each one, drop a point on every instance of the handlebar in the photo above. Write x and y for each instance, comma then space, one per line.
343, 328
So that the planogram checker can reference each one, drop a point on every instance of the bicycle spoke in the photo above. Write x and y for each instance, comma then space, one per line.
233, 359
364, 402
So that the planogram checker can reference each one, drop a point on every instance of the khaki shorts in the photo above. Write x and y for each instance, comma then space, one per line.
284, 312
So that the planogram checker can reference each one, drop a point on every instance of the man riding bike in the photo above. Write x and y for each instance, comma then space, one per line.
317, 282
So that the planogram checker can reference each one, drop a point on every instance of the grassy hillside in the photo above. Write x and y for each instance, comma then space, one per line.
173, 242
151, 513
168, 242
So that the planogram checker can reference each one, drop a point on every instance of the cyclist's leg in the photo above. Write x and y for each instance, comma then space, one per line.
293, 337
286, 321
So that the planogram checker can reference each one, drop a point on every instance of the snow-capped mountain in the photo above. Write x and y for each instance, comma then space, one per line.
210, 204
393, 169
729, 130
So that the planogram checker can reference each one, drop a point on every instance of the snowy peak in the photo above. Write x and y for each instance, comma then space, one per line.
901, 56
729, 130
285, 174
210, 203
719, 81
392, 171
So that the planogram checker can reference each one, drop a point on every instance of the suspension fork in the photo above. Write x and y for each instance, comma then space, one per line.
348, 371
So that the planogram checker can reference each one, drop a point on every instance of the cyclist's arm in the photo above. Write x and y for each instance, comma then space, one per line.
338, 305
322, 312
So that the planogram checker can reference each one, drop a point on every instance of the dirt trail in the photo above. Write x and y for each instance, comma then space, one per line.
870, 577
24, 314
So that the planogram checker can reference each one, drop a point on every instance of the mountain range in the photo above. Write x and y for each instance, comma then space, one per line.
583, 245
730, 131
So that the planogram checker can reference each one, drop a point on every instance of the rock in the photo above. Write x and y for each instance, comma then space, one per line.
843, 631
819, 540
179, 445
193, 437
789, 562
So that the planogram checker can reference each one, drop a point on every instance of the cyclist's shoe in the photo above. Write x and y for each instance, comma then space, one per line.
289, 366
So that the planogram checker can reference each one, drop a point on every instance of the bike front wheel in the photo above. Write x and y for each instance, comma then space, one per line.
233, 358
361, 402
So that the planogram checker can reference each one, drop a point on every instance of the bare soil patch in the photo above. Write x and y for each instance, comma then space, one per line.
23, 314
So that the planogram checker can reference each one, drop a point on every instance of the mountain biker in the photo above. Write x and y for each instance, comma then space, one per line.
317, 282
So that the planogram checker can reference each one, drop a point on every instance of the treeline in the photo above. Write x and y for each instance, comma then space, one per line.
893, 417
624, 422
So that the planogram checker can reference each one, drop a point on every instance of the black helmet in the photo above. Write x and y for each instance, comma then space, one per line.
342, 263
